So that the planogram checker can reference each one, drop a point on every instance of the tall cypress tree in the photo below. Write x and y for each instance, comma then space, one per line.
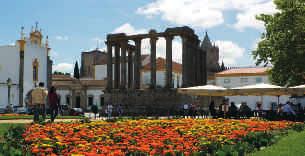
76, 70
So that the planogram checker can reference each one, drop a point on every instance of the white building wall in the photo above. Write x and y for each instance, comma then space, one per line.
100, 72
9, 68
63, 93
96, 94
231, 82
32, 52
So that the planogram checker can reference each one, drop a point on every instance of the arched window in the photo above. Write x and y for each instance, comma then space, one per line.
35, 70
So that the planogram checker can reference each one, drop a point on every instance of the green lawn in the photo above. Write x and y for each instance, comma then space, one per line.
291, 145
5, 127
31, 117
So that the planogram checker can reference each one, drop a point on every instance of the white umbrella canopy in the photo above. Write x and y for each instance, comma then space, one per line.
260, 90
299, 90
300, 86
206, 90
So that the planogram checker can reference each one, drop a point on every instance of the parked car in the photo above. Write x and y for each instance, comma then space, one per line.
20, 110
2, 110
76, 112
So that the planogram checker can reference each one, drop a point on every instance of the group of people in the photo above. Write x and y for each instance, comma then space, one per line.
287, 112
284, 111
39, 98
226, 110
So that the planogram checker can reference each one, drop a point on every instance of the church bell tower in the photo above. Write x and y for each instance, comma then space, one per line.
36, 36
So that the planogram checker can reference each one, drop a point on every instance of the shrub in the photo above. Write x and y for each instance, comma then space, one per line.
13, 143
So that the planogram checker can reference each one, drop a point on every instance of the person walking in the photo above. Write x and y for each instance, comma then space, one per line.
53, 103
38, 102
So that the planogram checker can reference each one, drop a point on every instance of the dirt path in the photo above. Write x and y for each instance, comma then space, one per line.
30, 121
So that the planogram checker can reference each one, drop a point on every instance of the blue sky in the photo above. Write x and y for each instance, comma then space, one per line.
74, 26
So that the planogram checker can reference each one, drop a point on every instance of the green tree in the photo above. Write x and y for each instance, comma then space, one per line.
283, 43
76, 71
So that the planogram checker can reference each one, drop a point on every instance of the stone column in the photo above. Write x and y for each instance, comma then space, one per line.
199, 70
130, 69
109, 66
198, 62
190, 61
169, 77
123, 64
117, 66
21, 70
137, 64
194, 63
204, 67
184, 62
153, 69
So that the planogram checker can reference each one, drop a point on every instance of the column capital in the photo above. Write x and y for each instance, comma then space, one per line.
109, 42
168, 37
153, 39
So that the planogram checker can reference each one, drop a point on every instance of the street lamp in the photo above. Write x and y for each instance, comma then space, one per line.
9, 85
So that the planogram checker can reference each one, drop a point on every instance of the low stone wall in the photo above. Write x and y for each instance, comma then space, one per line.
159, 102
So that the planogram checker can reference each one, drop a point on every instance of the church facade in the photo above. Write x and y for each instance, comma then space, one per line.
22, 66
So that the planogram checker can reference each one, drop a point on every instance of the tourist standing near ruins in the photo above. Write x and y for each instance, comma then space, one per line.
38, 102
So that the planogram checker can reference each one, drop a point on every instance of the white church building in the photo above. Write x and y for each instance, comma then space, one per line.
22, 66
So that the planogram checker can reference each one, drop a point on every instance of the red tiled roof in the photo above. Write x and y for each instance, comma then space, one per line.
244, 72
160, 65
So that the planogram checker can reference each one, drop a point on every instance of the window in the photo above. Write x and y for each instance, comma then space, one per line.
90, 101
227, 81
244, 80
58, 99
35, 70
102, 101
68, 99
259, 80
77, 99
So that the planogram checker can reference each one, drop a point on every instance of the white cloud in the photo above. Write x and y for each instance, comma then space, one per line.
229, 52
207, 13
62, 38
128, 29
63, 67
246, 18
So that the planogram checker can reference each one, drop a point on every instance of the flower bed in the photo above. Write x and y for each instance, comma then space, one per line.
144, 137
